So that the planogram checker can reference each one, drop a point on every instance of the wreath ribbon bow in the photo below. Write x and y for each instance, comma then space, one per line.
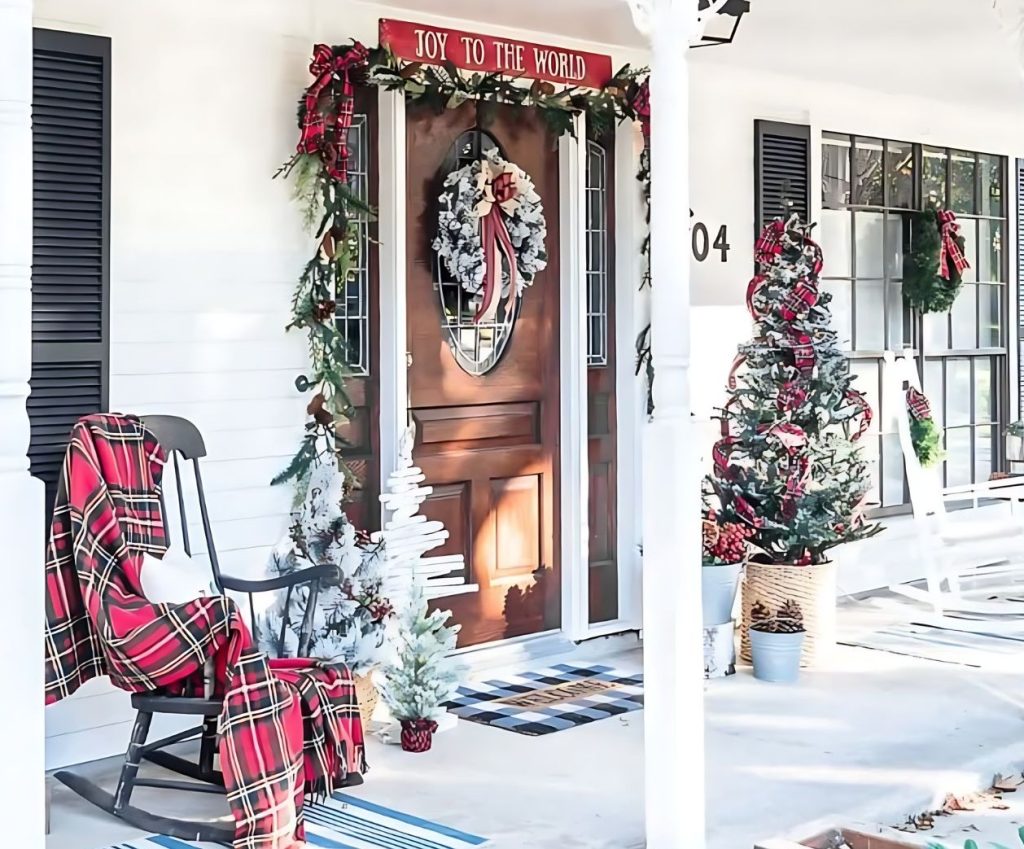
324, 66
500, 188
950, 250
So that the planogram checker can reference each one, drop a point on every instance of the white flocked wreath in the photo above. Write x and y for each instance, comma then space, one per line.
466, 198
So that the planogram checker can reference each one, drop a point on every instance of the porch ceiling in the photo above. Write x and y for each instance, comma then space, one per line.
939, 49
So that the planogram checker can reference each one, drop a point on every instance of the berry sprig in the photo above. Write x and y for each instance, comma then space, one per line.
725, 542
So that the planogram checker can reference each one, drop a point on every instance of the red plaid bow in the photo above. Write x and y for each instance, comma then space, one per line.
641, 104
287, 727
950, 250
330, 139
769, 244
917, 405
800, 299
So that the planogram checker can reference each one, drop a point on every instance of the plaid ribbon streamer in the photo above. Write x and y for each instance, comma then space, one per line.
287, 727
753, 287
867, 415
950, 250
801, 298
769, 244
917, 405
329, 135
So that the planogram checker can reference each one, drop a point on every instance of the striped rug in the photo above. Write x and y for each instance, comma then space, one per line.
943, 645
347, 822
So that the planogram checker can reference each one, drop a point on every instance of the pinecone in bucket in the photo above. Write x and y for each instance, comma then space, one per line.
789, 619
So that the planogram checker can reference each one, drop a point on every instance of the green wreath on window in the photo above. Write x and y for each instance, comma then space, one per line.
924, 288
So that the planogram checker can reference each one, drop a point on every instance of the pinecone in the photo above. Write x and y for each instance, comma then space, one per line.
710, 533
324, 310
759, 614
790, 618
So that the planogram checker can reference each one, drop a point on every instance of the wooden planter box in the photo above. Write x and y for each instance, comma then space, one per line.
855, 839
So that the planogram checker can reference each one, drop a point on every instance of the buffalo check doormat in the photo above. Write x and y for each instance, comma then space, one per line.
553, 699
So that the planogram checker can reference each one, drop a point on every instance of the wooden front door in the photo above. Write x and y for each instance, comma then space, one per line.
485, 399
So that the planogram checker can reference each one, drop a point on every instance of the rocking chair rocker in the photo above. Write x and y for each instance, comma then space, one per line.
179, 436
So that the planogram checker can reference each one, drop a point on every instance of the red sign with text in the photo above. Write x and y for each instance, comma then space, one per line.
489, 54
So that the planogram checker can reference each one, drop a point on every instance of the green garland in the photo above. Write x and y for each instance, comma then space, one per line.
924, 288
927, 440
331, 210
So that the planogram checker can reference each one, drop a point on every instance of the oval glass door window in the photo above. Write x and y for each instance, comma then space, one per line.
477, 348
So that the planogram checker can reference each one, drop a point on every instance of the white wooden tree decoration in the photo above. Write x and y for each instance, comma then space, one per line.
408, 535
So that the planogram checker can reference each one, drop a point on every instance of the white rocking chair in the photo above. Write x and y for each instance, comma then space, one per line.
967, 562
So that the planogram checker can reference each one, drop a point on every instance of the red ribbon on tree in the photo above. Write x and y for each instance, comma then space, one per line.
950, 250
494, 237
801, 298
753, 287
917, 405
866, 413
330, 139
768, 246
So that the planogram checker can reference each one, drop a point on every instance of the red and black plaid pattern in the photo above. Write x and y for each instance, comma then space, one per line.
328, 135
950, 250
287, 727
769, 244
799, 301
866, 414
917, 405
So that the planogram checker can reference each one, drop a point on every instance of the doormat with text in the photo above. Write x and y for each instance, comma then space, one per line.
553, 699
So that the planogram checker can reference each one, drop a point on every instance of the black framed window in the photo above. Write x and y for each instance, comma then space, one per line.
870, 188
353, 303
70, 241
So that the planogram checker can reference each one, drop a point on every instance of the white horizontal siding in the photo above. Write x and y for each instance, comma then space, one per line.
206, 250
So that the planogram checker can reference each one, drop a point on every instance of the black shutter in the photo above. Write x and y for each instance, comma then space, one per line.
70, 241
1020, 287
782, 172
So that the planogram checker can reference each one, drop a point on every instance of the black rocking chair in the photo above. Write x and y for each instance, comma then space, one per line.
179, 436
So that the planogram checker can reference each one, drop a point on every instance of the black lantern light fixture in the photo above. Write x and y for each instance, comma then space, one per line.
721, 29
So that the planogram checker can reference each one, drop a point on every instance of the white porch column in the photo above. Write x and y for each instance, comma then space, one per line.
22, 609
673, 654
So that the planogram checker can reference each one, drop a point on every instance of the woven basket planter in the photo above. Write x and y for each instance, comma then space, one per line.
366, 693
812, 587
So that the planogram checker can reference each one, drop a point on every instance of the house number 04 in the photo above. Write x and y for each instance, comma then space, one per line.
702, 243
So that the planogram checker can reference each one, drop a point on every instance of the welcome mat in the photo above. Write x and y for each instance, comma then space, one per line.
553, 699
943, 645
346, 822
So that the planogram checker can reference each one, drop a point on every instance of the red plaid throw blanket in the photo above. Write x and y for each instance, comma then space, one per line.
288, 727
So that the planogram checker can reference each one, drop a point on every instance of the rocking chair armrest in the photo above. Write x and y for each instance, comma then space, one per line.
292, 579
1004, 488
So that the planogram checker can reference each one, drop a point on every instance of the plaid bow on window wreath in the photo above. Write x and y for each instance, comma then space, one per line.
933, 270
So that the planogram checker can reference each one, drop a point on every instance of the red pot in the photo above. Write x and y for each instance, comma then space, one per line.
417, 734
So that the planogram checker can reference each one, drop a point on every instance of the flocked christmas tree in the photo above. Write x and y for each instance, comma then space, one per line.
349, 617
422, 677
788, 464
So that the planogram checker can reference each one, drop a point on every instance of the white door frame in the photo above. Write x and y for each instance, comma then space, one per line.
574, 484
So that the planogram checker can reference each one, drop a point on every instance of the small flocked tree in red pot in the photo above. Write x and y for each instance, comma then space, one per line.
788, 465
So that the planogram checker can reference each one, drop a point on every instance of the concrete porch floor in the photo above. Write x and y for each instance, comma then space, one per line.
874, 739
